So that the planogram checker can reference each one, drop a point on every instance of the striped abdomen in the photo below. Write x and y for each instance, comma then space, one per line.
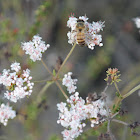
81, 38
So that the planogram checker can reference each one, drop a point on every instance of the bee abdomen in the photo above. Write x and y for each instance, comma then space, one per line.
81, 39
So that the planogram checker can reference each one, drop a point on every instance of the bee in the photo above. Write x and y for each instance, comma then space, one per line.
80, 30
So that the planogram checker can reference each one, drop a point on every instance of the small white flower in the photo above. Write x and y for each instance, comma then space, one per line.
18, 83
84, 18
15, 66
35, 48
71, 88
71, 23
6, 113
69, 82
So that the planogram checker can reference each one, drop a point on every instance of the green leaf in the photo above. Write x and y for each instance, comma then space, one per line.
54, 73
114, 106
117, 94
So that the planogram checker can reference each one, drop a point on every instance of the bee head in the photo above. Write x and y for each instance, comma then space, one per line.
80, 20
80, 24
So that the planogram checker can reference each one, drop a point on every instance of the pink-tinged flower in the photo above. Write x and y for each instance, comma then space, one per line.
112, 75
6, 113
89, 32
17, 83
71, 88
69, 82
35, 48
15, 66
71, 23
75, 111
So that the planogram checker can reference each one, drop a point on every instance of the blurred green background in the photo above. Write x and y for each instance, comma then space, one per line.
21, 19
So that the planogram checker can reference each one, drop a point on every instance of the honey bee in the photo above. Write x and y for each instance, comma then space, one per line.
80, 30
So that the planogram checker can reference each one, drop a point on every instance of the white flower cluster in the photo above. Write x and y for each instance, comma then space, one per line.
17, 83
69, 82
75, 111
91, 30
137, 21
6, 113
35, 48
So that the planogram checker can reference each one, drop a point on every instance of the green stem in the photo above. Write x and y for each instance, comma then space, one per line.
66, 59
132, 84
126, 95
131, 92
48, 84
117, 88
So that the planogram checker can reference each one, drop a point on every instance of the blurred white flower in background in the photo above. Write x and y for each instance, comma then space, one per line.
6, 113
137, 21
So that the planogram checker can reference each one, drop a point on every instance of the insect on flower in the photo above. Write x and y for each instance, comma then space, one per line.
84, 33
81, 30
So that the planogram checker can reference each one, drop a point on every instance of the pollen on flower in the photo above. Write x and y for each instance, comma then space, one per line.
35, 48
6, 113
17, 83
90, 31
69, 82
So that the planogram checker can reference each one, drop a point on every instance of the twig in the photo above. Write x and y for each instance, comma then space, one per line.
124, 133
55, 77
109, 131
131, 92
108, 115
131, 85
46, 67
114, 115
121, 122
126, 95
41, 81
61, 89
66, 59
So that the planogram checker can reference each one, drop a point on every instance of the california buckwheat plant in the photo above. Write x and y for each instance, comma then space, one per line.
78, 113
17, 83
